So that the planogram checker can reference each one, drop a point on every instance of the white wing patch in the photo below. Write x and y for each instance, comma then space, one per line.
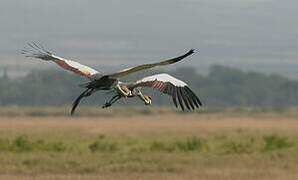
78, 66
164, 78
74, 66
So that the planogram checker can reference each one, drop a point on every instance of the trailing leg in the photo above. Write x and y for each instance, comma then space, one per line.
112, 101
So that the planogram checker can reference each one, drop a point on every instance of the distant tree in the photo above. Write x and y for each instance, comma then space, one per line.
223, 86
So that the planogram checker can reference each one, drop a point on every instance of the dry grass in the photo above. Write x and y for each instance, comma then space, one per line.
233, 146
157, 124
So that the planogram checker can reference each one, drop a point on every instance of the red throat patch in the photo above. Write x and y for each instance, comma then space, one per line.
125, 97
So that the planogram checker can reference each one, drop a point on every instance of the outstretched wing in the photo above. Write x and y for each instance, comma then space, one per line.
174, 87
33, 50
148, 66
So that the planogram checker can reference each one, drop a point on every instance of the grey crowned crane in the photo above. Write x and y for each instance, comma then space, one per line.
164, 83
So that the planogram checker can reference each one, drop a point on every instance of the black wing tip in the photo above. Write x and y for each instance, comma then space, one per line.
185, 94
199, 101
191, 51
188, 98
180, 99
184, 97
195, 98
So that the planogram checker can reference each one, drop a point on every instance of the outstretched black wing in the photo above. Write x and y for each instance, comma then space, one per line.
148, 66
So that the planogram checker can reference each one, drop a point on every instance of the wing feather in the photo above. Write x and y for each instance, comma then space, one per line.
184, 97
194, 96
35, 51
173, 87
174, 97
189, 99
148, 66
179, 95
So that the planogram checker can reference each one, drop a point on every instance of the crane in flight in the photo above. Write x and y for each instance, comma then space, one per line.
163, 82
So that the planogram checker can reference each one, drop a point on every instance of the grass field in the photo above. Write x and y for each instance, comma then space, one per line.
159, 143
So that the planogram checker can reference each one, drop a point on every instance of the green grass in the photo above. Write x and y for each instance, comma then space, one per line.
245, 144
22, 144
117, 154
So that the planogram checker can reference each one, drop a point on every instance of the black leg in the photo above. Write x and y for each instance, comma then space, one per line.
112, 101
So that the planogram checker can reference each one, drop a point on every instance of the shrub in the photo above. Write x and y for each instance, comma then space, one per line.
191, 144
239, 147
275, 142
21, 144
157, 146
59, 147
103, 146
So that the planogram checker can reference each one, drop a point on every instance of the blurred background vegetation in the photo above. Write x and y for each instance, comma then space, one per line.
221, 87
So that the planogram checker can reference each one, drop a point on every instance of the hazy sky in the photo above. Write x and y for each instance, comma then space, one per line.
136, 31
